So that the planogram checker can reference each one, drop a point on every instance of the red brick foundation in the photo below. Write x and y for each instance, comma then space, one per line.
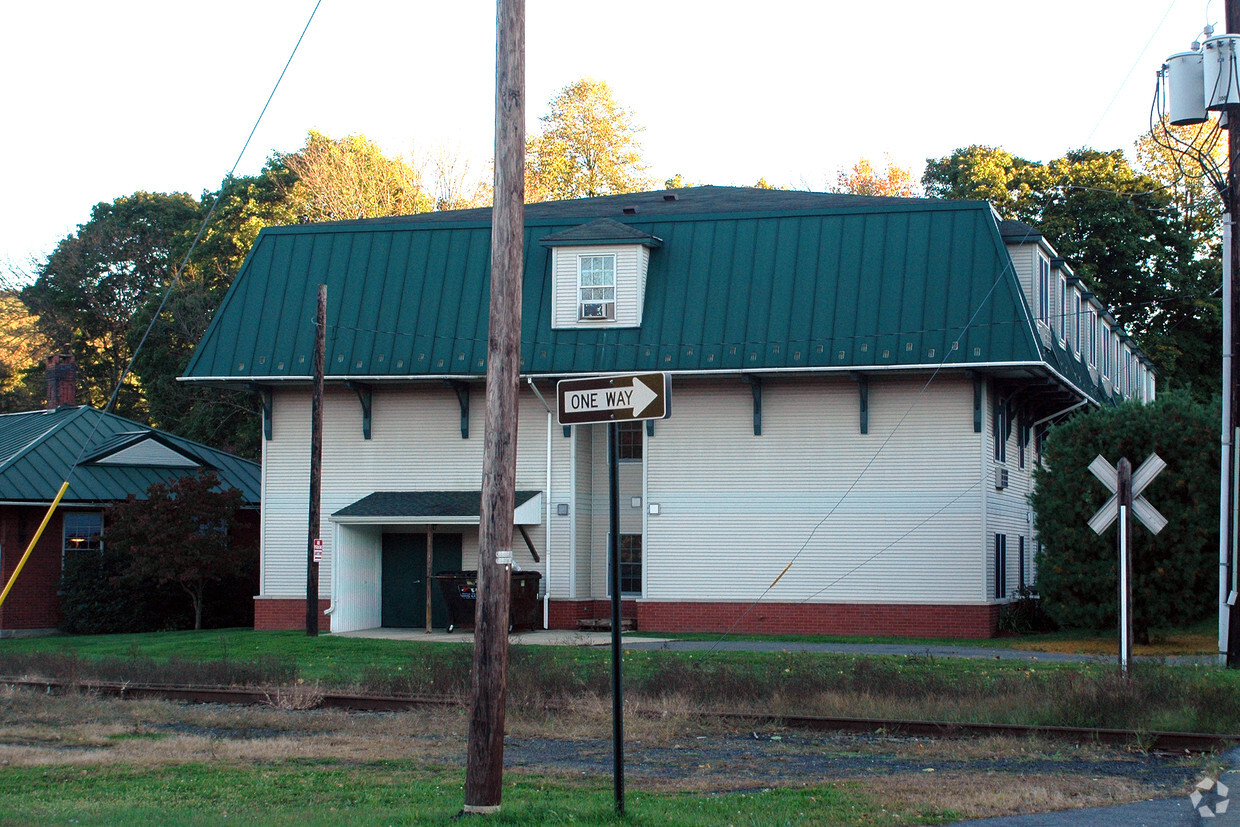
889, 620
274, 614
564, 614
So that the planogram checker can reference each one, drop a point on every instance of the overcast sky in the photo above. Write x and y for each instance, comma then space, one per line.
102, 99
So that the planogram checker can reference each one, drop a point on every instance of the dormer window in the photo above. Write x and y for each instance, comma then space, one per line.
1044, 290
596, 288
598, 275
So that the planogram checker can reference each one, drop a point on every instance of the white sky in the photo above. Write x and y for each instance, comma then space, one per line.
101, 99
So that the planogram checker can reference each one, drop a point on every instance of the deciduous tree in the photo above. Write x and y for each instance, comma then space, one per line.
336, 179
183, 533
1119, 228
87, 292
587, 147
863, 179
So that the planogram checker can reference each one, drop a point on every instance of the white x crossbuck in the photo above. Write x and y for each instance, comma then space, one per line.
1141, 508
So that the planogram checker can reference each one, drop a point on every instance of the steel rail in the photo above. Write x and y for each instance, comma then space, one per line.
1147, 739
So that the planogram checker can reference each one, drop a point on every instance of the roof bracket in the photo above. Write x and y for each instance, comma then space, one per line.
363, 392
529, 543
264, 396
462, 396
755, 385
863, 391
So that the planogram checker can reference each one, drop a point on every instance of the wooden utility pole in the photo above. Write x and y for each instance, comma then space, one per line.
316, 464
484, 768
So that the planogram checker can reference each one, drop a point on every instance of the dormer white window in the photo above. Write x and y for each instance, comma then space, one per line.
598, 275
1063, 310
1077, 327
596, 288
1044, 290
1093, 338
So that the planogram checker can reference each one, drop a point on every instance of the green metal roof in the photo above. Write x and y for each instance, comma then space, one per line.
38, 448
423, 504
745, 280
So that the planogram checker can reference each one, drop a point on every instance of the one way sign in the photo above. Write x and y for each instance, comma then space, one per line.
612, 398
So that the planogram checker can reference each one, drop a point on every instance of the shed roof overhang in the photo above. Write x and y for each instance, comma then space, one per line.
432, 508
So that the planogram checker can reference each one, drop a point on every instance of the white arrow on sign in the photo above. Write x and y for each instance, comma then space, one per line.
637, 397
1141, 508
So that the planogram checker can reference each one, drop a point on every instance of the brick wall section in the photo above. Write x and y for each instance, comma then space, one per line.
33, 603
821, 619
273, 614
766, 618
564, 614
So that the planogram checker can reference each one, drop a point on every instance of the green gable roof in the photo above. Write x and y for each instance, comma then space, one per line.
38, 448
745, 279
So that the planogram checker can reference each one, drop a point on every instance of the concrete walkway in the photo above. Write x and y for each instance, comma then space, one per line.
537, 637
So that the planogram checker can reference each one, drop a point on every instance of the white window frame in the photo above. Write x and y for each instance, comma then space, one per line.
67, 544
1093, 338
1044, 290
1076, 322
1063, 310
600, 303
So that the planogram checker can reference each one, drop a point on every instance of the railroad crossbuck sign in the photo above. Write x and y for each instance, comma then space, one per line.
613, 398
1141, 508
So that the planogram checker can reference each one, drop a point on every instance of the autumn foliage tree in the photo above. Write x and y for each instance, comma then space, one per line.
587, 147
182, 534
336, 179
864, 179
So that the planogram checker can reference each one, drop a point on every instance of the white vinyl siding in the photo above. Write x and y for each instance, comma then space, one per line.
632, 261
735, 509
1007, 509
149, 453
416, 445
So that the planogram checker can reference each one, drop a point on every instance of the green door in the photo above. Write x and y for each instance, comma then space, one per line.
404, 578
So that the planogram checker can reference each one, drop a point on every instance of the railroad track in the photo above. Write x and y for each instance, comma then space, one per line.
1152, 740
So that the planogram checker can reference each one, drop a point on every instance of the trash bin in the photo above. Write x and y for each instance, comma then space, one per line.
460, 594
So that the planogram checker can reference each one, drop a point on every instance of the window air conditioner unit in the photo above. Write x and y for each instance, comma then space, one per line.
598, 310
1001, 478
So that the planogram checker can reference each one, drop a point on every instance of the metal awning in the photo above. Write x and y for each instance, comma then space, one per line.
432, 507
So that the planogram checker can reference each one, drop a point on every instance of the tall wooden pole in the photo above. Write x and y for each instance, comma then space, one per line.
316, 464
484, 768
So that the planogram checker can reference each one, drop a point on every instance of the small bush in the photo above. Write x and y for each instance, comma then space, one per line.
1024, 614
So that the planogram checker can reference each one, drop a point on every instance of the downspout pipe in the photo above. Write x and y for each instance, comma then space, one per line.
547, 542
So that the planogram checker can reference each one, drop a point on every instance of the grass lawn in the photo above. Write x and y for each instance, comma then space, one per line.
1200, 639
83, 759
998, 691
396, 792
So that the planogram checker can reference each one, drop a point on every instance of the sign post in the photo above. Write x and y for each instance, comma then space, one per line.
1126, 502
612, 399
